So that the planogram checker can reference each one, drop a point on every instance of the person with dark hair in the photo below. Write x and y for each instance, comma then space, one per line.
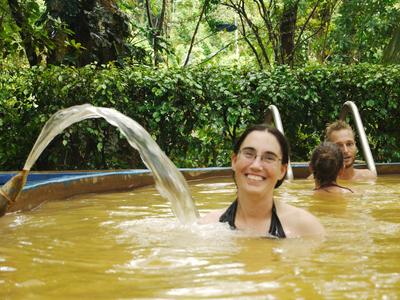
259, 162
326, 164
341, 134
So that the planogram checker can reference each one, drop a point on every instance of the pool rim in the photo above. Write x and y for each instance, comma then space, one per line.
43, 186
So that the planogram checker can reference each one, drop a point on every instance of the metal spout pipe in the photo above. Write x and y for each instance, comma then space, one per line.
10, 191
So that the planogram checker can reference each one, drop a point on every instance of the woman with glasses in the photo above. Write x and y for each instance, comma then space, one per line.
259, 162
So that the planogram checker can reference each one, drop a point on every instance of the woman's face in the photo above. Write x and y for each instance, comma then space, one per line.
260, 174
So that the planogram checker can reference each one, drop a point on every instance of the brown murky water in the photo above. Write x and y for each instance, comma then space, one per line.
130, 246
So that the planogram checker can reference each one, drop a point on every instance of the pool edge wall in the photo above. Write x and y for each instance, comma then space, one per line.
58, 188
50, 186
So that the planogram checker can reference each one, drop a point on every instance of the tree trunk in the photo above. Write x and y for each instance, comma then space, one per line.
97, 25
391, 54
156, 24
195, 33
287, 32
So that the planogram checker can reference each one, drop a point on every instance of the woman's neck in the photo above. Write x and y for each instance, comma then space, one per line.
319, 186
331, 187
257, 206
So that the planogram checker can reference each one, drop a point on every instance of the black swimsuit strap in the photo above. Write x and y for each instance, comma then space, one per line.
275, 228
229, 215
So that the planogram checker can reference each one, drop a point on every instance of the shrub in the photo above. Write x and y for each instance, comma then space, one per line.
193, 114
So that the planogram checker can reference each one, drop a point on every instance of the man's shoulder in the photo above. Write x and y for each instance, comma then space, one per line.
363, 174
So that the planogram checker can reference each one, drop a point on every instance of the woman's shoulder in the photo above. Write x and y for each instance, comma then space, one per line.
211, 217
335, 189
298, 221
293, 213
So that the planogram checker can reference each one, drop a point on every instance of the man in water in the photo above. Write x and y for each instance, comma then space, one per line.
341, 134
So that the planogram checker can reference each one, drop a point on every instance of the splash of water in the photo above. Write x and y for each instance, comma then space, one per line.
169, 181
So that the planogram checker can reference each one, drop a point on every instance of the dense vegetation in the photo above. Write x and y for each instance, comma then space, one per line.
194, 74
260, 33
193, 114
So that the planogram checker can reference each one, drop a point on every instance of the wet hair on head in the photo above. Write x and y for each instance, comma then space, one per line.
336, 126
282, 141
326, 162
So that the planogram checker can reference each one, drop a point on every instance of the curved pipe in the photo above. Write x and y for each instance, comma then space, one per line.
273, 117
350, 106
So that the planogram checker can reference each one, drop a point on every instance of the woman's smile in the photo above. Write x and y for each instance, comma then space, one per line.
255, 177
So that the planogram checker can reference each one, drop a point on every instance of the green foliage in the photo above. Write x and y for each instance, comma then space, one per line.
86, 32
78, 32
11, 45
363, 29
195, 115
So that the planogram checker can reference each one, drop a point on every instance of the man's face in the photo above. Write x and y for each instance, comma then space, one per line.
344, 138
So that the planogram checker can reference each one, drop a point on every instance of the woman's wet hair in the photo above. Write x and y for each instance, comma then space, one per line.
326, 162
282, 141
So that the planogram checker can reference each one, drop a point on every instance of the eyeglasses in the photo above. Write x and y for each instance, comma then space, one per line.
250, 154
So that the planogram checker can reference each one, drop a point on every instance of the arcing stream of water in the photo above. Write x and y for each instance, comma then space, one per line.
169, 181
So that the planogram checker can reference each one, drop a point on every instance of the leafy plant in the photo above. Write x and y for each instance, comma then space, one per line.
194, 114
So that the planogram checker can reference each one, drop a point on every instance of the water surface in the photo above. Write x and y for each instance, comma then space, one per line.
129, 246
